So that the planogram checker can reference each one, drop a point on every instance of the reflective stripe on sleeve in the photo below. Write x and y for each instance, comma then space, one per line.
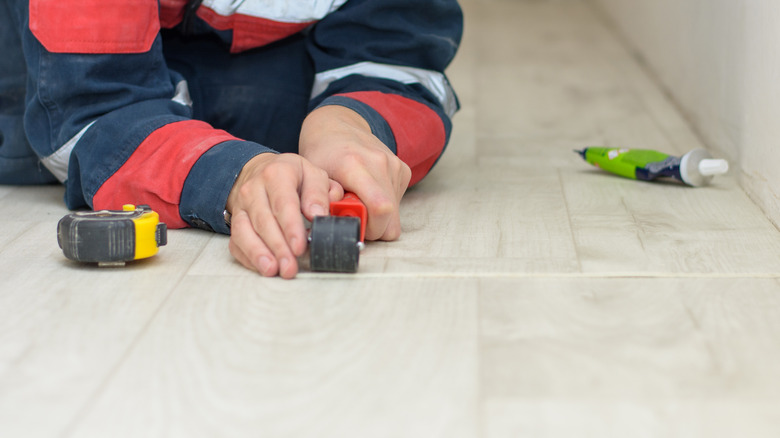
433, 81
57, 163
299, 11
182, 94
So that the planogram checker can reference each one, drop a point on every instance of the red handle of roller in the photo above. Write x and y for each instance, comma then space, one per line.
351, 206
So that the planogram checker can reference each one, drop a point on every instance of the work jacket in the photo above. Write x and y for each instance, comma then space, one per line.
111, 121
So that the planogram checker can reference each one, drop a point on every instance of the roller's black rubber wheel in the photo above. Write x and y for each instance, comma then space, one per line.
334, 244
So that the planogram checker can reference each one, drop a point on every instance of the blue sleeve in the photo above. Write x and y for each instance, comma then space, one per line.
117, 128
385, 59
400, 46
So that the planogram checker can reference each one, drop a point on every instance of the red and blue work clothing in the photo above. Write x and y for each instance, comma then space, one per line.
162, 102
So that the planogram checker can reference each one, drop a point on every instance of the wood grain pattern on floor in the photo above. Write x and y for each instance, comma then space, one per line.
530, 295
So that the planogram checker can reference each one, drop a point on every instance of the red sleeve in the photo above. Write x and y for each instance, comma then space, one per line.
155, 173
419, 132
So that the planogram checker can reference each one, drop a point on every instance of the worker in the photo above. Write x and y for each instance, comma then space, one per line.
239, 117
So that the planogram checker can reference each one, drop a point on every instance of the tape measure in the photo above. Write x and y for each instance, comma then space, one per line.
111, 237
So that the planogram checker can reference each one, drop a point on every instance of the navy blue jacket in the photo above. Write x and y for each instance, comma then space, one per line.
111, 121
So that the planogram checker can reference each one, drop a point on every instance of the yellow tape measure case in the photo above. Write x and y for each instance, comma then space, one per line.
111, 237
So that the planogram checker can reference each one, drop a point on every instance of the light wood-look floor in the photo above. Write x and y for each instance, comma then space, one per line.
530, 295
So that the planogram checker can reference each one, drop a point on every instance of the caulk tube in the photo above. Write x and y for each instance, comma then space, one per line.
696, 168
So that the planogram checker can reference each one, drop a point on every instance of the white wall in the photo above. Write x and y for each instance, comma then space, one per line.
720, 60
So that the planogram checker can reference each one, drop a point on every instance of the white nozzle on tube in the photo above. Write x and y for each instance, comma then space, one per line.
713, 166
697, 167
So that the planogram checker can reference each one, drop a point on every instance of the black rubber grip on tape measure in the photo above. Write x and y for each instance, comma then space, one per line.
93, 239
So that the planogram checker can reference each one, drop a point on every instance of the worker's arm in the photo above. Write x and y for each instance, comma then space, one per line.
113, 123
381, 102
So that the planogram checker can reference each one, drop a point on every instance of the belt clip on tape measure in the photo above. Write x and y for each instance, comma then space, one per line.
111, 237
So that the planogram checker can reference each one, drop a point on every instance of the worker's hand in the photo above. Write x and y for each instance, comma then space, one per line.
266, 202
339, 140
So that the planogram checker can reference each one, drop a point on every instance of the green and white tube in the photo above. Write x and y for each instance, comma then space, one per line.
696, 168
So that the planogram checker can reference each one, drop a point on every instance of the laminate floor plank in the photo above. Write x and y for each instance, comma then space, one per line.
229, 355
630, 357
64, 327
530, 294
623, 225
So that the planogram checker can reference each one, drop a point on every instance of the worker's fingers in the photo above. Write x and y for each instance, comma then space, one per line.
403, 180
268, 192
248, 248
335, 191
393, 229
268, 229
381, 203
315, 188
380, 180
380, 191
284, 213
